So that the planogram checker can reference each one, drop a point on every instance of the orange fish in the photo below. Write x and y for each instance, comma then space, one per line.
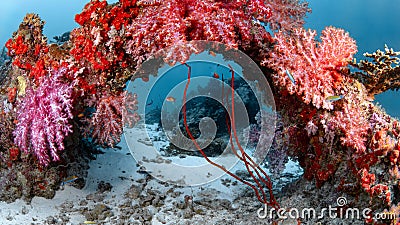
170, 99
81, 115
212, 53
216, 75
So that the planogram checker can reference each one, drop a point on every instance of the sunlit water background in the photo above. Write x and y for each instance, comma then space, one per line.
371, 23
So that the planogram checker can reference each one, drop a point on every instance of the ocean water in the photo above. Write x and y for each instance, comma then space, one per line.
371, 23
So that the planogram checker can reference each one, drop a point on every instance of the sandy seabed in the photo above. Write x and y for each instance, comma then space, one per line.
118, 191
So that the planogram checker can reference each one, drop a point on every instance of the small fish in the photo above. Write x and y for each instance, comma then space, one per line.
89, 222
81, 115
170, 99
290, 77
69, 180
212, 53
150, 103
216, 75
334, 98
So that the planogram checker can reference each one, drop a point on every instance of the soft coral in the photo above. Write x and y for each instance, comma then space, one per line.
44, 118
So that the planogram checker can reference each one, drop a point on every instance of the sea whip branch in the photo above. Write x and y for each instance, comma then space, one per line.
249, 164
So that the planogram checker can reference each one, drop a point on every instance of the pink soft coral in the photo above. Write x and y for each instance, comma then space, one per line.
353, 123
44, 118
177, 21
288, 14
115, 39
315, 67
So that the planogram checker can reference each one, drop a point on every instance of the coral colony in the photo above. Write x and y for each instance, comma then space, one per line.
329, 124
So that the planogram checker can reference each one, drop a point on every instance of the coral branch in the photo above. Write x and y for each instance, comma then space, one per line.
262, 178
380, 74
354, 127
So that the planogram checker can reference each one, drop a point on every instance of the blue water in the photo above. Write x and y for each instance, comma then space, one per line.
371, 23
173, 77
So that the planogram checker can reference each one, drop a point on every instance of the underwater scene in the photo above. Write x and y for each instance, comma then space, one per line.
199, 112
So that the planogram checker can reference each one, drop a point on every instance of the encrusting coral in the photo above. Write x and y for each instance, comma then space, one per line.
327, 119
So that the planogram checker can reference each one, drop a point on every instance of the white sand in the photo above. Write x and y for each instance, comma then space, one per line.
117, 167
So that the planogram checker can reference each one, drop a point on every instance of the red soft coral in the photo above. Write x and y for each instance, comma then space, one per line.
315, 67
288, 14
177, 21
354, 124
112, 112
29, 49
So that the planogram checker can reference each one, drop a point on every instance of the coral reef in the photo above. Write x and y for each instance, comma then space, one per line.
327, 120
29, 50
